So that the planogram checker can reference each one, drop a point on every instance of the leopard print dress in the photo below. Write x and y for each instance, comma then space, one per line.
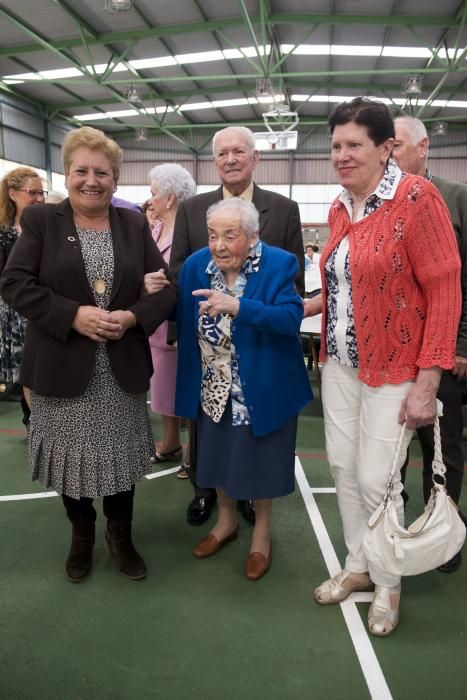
12, 325
98, 443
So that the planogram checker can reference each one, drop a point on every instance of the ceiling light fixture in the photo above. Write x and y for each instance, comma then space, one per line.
118, 5
413, 85
439, 129
264, 88
141, 135
132, 94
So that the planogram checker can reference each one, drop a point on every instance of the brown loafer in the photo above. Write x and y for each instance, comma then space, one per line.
257, 565
210, 544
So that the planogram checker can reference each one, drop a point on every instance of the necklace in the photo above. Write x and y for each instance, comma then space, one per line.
100, 286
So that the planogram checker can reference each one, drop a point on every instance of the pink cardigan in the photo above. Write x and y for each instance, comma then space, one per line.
406, 292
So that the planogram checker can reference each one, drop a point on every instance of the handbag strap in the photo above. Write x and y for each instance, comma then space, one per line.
438, 467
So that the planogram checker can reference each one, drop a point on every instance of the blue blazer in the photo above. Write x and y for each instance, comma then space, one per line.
265, 334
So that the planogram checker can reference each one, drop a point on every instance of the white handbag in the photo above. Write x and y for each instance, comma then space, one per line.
432, 540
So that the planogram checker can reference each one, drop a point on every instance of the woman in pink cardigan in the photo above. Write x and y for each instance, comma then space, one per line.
170, 185
391, 308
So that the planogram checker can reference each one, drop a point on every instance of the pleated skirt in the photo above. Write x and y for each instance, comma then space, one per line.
95, 444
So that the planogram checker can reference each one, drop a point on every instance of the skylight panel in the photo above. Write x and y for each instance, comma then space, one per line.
200, 57
343, 50
230, 103
61, 73
153, 62
307, 49
100, 68
195, 105
106, 115
23, 76
406, 52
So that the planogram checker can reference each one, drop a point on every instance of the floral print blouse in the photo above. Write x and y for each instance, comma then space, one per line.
219, 364
341, 340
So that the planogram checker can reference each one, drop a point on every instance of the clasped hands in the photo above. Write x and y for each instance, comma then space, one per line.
216, 303
101, 325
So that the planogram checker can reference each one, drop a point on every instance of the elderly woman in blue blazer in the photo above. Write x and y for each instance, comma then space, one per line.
241, 372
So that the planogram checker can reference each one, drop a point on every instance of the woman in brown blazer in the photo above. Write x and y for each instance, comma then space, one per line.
76, 275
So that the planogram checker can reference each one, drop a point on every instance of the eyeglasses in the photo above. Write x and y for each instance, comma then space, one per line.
34, 193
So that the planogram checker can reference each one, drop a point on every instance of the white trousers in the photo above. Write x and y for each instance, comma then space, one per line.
362, 430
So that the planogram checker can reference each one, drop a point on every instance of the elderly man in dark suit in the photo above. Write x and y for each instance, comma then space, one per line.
235, 158
411, 153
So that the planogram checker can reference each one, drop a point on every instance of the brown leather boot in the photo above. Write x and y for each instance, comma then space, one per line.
118, 538
79, 560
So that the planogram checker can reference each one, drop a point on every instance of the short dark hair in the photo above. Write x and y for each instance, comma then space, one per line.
373, 115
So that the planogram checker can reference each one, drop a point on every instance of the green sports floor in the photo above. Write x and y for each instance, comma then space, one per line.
199, 629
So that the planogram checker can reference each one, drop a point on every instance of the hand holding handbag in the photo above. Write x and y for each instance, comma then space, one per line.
432, 540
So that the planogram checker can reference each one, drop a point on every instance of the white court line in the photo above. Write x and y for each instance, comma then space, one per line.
371, 669
156, 475
50, 494
29, 496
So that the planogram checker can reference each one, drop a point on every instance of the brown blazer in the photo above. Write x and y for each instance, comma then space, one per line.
279, 225
45, 281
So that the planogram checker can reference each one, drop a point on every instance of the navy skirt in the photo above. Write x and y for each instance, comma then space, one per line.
244, 466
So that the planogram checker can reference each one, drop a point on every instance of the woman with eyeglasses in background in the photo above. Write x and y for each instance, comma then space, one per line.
150, 214
19, 188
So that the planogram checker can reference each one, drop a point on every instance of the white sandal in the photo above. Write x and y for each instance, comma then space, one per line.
339, 587
383, 615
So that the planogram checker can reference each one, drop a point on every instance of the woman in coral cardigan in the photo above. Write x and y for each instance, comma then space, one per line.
391, 306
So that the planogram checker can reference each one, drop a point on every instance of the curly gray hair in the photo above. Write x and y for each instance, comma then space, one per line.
245, 211
172, 178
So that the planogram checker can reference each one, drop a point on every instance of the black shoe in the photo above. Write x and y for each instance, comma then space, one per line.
247, 509
451, 565
199, 510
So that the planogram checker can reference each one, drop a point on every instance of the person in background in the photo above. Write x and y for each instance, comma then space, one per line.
411, 153
312, 272
148, 211
125, 204
241, 372
76, 273
20, 188
171, 184
235, 159
391, 307
308, 256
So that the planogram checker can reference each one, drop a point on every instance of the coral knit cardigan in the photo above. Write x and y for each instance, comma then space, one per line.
406, 292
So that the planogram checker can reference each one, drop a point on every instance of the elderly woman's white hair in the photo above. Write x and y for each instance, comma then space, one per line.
172, 178
244, 211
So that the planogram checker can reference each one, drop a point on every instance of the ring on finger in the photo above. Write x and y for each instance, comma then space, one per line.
98, 331
209, 305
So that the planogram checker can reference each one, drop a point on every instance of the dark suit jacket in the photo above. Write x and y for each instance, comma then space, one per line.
279, 225
455, 196
45, 281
